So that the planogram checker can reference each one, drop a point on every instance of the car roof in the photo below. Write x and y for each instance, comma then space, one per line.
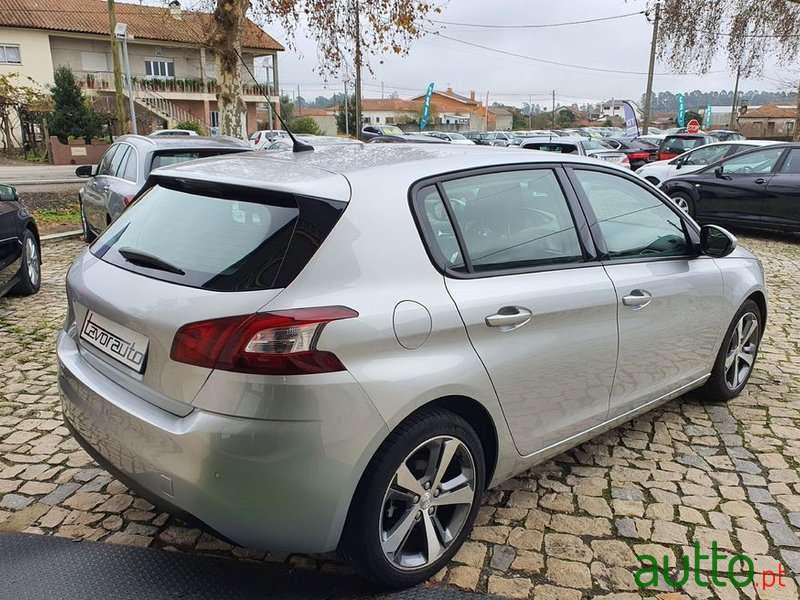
311, 172
184, 142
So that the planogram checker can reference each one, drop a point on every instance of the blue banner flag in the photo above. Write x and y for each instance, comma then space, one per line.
426, 108
681, 110
631, 125
707, 121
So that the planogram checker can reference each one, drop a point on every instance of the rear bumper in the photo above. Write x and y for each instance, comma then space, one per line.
265, 484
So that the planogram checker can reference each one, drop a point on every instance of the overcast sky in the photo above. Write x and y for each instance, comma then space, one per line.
619, 45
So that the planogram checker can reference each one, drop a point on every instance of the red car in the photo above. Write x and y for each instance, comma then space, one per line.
676, 144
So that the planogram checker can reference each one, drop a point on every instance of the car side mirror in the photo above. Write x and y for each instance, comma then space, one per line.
8, 193
719, 172
716, 241
84, 171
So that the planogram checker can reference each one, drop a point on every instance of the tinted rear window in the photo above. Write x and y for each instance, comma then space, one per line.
237, 241
174, 157
679, 145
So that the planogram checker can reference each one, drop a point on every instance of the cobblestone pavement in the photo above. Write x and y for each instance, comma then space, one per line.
569, 529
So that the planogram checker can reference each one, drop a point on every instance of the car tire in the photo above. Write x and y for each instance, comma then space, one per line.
88, 234
737, 355
30, 271
684, 202
398, 518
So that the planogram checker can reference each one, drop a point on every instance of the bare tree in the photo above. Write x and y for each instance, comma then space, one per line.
343, 29
694, 32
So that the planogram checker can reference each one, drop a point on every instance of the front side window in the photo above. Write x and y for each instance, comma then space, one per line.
511, 220
159, 69
761, 161
10, 55
705, 155
633, 221
792, 164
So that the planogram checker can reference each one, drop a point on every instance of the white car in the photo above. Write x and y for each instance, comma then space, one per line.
453, 138
660, 171
173, 133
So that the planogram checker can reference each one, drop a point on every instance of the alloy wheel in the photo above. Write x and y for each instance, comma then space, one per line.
742, 349
32, 261
427, 503
681, 203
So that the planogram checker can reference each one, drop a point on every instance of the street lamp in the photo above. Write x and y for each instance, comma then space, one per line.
121, 33
346, 80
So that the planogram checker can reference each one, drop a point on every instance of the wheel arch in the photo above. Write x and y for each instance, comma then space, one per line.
761, 300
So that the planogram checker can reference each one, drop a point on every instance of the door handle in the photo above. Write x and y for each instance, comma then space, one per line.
637, 299
509, 318
760, 180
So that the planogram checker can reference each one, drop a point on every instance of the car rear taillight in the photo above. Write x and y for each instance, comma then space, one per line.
625, 160
274, 343
639, 156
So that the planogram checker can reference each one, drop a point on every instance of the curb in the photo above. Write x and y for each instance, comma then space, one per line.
58, 237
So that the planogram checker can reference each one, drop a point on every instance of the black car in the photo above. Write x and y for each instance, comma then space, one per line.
20, 258
758, 188
639, 152
370, 131
406, 139
125, 166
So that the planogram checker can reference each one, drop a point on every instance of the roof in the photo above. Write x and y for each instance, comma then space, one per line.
311, 112
390, 104
449, 93
770, 111
144, 22
193, 142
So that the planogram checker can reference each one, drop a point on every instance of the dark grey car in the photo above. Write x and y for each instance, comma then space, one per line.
124, 168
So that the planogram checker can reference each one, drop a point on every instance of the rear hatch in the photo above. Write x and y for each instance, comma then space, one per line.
188, 251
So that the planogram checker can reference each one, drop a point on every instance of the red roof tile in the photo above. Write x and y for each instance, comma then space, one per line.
770, 111
144, 22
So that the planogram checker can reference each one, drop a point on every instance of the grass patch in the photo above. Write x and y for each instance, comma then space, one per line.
67, 214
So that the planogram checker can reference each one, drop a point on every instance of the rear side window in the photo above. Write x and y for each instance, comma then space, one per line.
512, 220
236, 241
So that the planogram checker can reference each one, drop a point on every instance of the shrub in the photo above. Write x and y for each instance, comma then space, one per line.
191, 126
305, 125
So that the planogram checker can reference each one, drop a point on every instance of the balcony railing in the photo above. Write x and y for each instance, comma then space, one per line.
104, 81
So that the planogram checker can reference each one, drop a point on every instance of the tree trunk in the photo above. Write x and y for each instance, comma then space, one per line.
796, 132
359, 119
226, 43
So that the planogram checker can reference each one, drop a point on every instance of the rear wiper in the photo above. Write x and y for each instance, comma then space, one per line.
144, 259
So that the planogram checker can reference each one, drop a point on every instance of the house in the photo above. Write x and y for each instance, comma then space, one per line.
324, 119
771, 121
615, 108
173, 74
466, 112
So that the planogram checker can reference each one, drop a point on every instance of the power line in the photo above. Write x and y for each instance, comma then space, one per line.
539, 25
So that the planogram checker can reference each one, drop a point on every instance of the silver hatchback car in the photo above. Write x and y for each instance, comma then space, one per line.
305, 361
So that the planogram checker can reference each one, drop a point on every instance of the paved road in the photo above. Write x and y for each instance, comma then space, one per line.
569, 529
41, 178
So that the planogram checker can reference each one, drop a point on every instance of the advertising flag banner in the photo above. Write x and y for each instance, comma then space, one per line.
631, 124
426, 108
681, 110
707, 120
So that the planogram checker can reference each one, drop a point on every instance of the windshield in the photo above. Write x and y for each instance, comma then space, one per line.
391, 130
595, 145
457, 136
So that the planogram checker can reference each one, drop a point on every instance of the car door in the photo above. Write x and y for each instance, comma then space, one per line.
781, 207
668, 299
10, 247
736, 193
539, 312
94, 193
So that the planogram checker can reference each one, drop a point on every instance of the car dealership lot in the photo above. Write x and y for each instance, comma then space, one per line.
568, 529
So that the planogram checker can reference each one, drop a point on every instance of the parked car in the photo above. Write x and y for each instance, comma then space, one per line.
125, 166
485, 138
678, 143
501, 138
263, 137
579, 146
757, 188
409, 138
452, 137
20, 258
725, 135
174, 133
340, 370
317, 141
370, 131
639, 151
692, 160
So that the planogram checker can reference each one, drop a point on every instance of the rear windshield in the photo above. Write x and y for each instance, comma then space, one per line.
240, 240
679, 145
549, 147
174, 157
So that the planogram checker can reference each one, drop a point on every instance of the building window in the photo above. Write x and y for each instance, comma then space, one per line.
213, 116
390, 120
758, 124
789, 127
377, 119
161, 69
9, 55
366, 120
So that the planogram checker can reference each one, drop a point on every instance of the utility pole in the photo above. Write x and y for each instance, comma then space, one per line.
359, 120
299, 102
735, 93
118, 95
346, 108
649, 92
554, 109
381, 90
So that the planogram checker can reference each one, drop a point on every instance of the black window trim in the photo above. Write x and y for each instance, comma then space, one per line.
585, 240
690, 228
